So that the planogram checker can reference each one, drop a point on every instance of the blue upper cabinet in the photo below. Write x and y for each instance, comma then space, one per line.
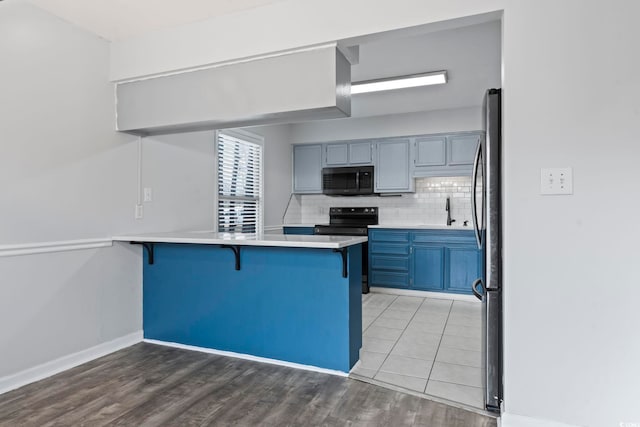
360, 153
430, 151
336, 155
445, 155
392, 173
462, 149
307, 168
348, 154
397, 160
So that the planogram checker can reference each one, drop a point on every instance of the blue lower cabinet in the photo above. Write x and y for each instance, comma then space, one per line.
389, 279
463, 267
389, 258
387, 262
429, 260
386, 248
307, 231
428, 268
384, 235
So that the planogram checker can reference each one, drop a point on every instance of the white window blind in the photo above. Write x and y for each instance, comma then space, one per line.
239, 183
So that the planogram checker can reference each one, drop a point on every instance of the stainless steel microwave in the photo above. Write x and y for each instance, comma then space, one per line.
347, 181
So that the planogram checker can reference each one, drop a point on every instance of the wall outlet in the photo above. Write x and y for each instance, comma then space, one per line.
139, 213
556, 181
148, 194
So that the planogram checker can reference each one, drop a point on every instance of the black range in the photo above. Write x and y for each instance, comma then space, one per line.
351, 222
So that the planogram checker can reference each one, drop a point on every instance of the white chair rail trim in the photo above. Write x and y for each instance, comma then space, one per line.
57, 246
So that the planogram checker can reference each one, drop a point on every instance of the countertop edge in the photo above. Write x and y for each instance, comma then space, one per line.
352, 240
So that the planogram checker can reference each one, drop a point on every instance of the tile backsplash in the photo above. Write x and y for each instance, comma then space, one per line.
425, 206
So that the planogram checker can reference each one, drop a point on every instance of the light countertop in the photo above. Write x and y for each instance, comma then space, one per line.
273, 240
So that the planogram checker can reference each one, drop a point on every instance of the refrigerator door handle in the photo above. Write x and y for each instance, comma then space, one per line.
474, 287
474, 183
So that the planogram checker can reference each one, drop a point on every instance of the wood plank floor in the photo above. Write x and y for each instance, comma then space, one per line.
150, 385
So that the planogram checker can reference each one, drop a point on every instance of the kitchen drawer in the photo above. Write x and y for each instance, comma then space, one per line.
443, 236
388, 248
389, 236
389, 278
384, 262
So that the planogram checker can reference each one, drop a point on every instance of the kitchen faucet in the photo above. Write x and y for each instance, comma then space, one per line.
448, 209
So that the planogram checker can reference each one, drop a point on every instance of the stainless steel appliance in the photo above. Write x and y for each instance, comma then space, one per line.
348, 181
486, 206
352, 222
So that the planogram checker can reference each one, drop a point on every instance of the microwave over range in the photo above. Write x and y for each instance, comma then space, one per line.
347, 181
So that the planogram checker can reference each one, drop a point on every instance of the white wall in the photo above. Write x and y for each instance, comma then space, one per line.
471, 55
571, 267
179, 168
277, 171
56, 304
66, 174
427, 122
570, 99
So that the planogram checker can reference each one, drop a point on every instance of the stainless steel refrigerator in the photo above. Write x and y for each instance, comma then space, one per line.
486, 205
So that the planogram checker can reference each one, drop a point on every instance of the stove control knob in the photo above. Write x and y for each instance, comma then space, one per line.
366, 210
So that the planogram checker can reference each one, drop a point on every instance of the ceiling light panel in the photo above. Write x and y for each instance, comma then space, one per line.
416, 80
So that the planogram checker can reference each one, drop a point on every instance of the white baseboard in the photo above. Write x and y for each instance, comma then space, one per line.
250, 357
425, 294
512, 420
37, 373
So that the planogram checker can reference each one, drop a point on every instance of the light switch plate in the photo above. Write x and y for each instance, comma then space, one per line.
139, 214
556, 181
148, 194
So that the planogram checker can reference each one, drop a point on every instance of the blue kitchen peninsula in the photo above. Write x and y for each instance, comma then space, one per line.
292, 298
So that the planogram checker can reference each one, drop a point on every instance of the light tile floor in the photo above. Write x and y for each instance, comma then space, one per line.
423, 344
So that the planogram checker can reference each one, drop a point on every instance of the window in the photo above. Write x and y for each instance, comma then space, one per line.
239, 182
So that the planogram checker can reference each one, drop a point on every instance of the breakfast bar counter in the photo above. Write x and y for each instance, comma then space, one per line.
245, 239
289, 298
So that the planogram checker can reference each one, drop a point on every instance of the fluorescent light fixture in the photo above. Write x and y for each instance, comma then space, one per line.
414, 80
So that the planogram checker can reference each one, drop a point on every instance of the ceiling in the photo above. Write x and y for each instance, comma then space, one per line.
471, 56
120, 19
469, 53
